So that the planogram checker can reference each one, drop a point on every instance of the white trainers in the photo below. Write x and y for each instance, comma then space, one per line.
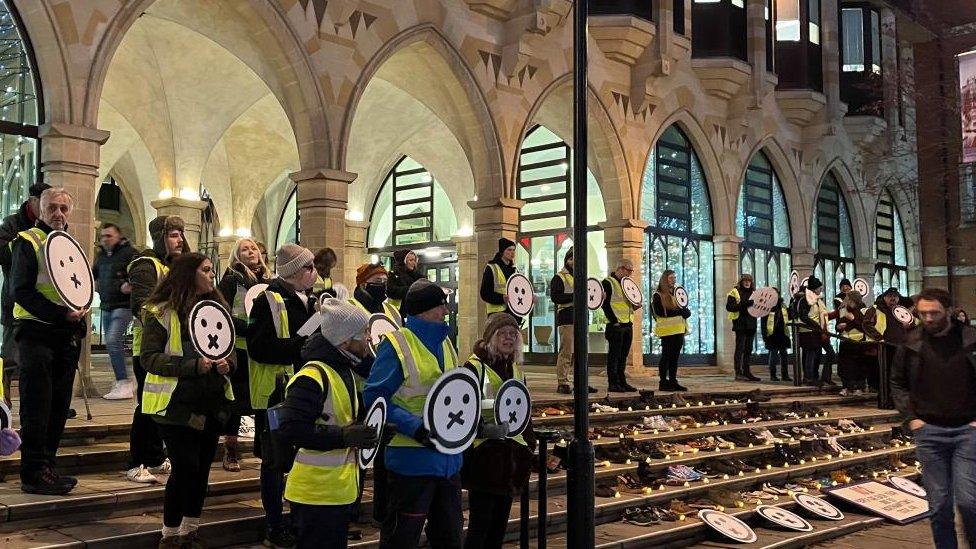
141, 475
843, 392
164, 468
121, 390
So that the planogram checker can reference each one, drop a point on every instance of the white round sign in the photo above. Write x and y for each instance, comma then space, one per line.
211, 330
632, 291
903, 315
452, 410
764, 300
681, 296
378, 326
70, 273
520, 295
513, 406
252, 293
784, 517
6, 419
861, 286
794, 283
594, 294
727, 525
818, 506
803, 282
906, 485
376, 418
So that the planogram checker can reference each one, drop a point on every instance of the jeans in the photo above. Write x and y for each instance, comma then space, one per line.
743, 352
145, 442
272, 479
321, 526
948, 456
416, 500
191, 452
487, 520
116, 322
619, 338
670, 351
811, 360
564, 361
782, 357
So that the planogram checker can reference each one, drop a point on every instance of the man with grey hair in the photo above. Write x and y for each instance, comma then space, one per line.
620, 327
48, 337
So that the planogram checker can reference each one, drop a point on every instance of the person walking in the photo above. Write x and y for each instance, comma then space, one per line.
370, 292
185, 394
495, 471
933, 385
110, 272
246, 269
776, 339
48, 337
325, 260
858, 352
561, 293
494, 279
405, 272
146, 454
812, 334
743, 326
620, 327
671, 325
275, 352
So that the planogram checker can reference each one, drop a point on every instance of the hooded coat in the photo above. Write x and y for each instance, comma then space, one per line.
745, 321
142, 274
400, 278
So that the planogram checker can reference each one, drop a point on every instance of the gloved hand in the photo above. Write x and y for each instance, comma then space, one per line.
9, 442
359, 435
389, 430
492, 430
422, 435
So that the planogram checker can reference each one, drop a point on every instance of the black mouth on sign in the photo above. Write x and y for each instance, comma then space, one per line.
74, 279
213, 342
456, 417
512, 417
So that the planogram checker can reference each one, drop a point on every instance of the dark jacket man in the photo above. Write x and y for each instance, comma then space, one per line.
21, 220
110, 273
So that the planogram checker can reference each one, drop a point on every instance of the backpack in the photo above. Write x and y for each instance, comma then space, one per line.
278, 453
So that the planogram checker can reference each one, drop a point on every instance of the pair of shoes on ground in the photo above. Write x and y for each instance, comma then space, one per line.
121, 390
147, 475
670, 385
47, 482
622, 388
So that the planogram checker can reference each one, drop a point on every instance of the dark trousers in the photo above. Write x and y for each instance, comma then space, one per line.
415, 500
191, 452
379, 485
852, 365
47, 375
619, 338
811, 346
671, 346
948, 456
145, 441
743, 352
272, 479
9, 354
782, 357
321, 526
487, 520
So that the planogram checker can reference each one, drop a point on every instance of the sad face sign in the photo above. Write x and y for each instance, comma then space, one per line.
681, 296
763, 301
69, 270
594, 294
378, 326
520, 296
452, 411
212, 330
728, 526
784, 518
794, 283
818, 506
904, 316
513, 405
632, 291
375, 418
861, 286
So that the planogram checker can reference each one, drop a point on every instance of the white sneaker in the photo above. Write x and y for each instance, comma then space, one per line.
597, 407
121, 390
858, 392
164, 468
141, 475
843, 392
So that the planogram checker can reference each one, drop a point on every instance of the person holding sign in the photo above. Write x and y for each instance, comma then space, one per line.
933, 385
776, 338
812, 334
187, 395
620, 326
495, 471
494, 280
320, 417
561, 293
670, 324
406, 271
743, 326
856, 357
845, 288
246, 269
370, 292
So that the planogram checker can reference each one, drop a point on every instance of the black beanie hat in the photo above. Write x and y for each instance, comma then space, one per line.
844, 282
422, 296
37, 188
504, 244
891, 291
813, 283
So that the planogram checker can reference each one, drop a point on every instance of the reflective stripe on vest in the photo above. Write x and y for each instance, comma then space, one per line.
261, 376
37, 239
420, 371
818, 314
322, 284
734, 294
161, 271
490, 382
880, 322
567, 288
329, 477
388, 309
622, 309
501, 283
239, 312
771, 320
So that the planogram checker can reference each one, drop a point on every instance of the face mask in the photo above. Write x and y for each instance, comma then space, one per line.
376, 290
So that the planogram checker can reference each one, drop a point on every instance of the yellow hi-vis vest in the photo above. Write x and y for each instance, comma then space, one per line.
239, 312
37, 239
420, 371
158, 390
330, 477
490, 383
261, 376
665, 326
818, 314
771, 320
388, 309
621, 308
567, 288
161, 271
734, 294
501, 286
880, 324
321, 284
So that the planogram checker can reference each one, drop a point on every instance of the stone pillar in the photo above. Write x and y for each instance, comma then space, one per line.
225, 246
354, 252
726, 276
494, 218
323, 196
469, 271
624, 239
756, 24
803, 259
70, 159
830, 54
191, 211
889, 69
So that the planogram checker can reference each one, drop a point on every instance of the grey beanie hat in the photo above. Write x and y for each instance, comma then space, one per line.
341, 320
290, 258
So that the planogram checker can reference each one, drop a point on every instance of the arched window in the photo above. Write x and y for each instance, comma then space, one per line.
20, 111
289, 226
674, 199
891, 269
411, 208
833, 238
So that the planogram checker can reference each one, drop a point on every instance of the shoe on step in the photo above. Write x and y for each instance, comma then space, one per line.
45, 483
564, 389
192, 541
140, 475
170, 542
675, 386
279, 537
163, 468
121, 390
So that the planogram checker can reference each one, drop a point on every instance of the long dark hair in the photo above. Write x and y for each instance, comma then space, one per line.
178, 289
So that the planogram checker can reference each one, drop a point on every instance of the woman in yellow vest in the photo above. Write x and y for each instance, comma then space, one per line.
776, 339
324, 260
187, 395
495, 471
670, 324
246, 269
857, 352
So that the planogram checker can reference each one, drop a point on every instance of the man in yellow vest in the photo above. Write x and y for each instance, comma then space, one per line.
370, 292
325, 260
494, 280
813, 336
620, 327
146, 454
320, 416
737, 304
561, 293
48, 337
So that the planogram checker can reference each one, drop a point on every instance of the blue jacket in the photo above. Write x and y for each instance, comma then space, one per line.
384, 380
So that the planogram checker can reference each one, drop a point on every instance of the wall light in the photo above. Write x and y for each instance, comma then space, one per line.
354, 215
374, 258
465, 231
165, 194
243, 232
226, 232
188, 193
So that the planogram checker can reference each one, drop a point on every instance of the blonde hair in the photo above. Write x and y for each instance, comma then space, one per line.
517, 357
666, 292
235, 259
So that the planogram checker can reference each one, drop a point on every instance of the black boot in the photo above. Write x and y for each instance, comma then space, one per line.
747, 373
785, 373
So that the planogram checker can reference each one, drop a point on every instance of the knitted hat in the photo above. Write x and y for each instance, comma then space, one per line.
36, 189
813, 283
504, 244
367, 270
290, 258
844, 282
497, 322
341, 320
422, 296
161, 226
891, 291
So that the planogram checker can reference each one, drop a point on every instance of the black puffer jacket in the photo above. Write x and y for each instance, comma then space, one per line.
110, 273
263, 344
21, 220
487, 292
745, 322
400, 278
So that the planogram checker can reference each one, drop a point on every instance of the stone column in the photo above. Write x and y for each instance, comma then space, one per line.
803, 259
191, 211
830, 54
354, 250
624, 239
469, 271
225, 245
70, 159
889, 69
494, 218
726, 276
756, 23
323, 196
